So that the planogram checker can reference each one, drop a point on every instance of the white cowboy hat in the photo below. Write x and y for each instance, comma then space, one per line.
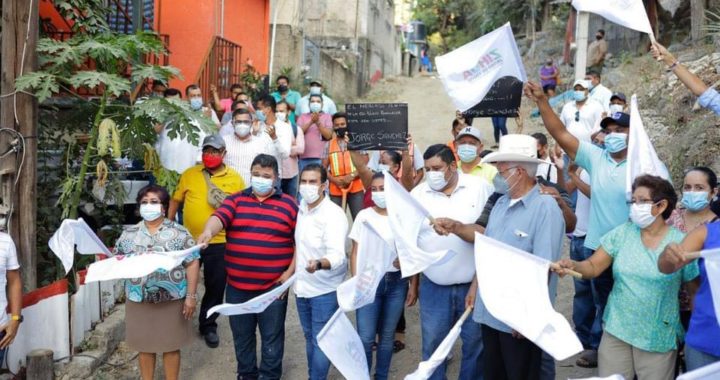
515, 148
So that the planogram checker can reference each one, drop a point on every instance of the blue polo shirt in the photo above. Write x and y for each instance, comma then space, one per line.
534, 224
608, 204
704, 331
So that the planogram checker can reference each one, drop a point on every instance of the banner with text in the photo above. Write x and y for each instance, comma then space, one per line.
377, 126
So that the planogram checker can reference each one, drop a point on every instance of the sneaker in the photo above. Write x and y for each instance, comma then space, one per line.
211, 339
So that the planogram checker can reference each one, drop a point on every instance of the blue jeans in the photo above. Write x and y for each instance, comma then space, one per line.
588, 324
314, 313
380, 318
440, 307
695, 359
289, 186
499, 127
271, 324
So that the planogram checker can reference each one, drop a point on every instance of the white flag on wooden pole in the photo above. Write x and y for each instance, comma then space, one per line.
628, 13
641, 155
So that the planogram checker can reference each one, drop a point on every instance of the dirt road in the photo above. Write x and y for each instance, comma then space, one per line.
431, 114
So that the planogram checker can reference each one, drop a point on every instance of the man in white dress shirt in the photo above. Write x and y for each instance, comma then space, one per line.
320, 236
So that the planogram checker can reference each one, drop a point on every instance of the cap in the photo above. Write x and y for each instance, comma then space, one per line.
214, 141
618, 95
582, 83
620, 118
318, 81
469, 131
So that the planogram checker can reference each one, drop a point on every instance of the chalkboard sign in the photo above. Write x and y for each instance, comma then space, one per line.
503, 99
377, 126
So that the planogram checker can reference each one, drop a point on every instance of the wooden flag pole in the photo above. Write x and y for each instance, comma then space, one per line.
570, 272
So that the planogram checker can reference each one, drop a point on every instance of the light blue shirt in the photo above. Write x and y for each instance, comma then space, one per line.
533, 224
608, 205
710, 99
303, 105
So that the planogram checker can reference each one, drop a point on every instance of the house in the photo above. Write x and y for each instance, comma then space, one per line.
208, 40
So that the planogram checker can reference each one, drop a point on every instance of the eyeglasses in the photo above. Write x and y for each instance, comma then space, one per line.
577, 115
507, 170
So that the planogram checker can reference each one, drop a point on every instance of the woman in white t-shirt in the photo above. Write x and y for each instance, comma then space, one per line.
393, 293
12, 301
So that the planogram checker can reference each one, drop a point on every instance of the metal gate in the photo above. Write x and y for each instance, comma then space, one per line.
311, 59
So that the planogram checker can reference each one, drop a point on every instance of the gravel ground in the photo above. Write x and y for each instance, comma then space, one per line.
431, 113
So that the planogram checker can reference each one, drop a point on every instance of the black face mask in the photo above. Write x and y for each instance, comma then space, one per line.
341, 132
598, 37
282, 88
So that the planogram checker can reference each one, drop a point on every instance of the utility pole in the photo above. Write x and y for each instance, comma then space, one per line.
581, 44
19, 116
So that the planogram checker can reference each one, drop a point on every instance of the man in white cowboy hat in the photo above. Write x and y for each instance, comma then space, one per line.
525, 218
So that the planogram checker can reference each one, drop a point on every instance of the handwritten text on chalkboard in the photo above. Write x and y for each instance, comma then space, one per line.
377, 126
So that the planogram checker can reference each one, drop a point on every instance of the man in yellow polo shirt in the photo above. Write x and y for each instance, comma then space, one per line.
469, 145
201, 189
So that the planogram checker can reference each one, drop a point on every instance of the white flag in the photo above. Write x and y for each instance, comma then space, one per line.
359, 290
641, 156
255, 305
426, 368
407, 218
712, 268
628, 13
709, 372
342, 345
514, 288
72, 233
469, 71
135, 266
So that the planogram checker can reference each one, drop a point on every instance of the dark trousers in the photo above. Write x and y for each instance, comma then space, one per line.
508, 358
354, 202
212, 259
271, 324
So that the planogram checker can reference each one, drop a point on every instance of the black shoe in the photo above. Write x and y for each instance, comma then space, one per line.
211, 339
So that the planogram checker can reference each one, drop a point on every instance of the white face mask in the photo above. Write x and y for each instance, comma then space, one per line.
282, 116
436, 180
150, 212
310, 193
641, 214
242, 129
615, 108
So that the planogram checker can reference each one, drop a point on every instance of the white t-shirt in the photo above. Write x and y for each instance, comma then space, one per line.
465, 205
602, 95
381, 224
582, 208
589, 119
545, 168
8, 261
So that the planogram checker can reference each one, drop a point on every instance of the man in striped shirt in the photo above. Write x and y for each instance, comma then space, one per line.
259, 255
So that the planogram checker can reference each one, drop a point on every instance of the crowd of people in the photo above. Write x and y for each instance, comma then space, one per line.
269, 192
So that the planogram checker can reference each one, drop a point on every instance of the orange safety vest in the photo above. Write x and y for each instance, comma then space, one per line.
340, 164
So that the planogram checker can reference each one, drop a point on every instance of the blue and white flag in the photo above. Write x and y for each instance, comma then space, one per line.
469, 71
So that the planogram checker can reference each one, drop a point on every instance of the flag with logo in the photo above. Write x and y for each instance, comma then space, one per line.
711, 259
342, 345
641, 155
513, 285
136, 265
359, 290
255, 305
426, 368
75, 233
708, 372
407, 219
628, 13
469, 71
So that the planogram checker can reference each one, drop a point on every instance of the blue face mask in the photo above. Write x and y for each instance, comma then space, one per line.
315, 90
467, 152
260, 115
501, 185
378, 197
315, 107
615, 142
261, 186
196, 103
695, 200
579, 96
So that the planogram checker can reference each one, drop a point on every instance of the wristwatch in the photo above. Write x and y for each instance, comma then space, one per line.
18, 318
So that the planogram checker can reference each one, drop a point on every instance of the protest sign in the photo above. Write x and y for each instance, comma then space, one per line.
503, 99
377, 126
255, 305
513, 286
470, 71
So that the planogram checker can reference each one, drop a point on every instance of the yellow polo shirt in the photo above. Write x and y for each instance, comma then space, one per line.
485, 171
192, 192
